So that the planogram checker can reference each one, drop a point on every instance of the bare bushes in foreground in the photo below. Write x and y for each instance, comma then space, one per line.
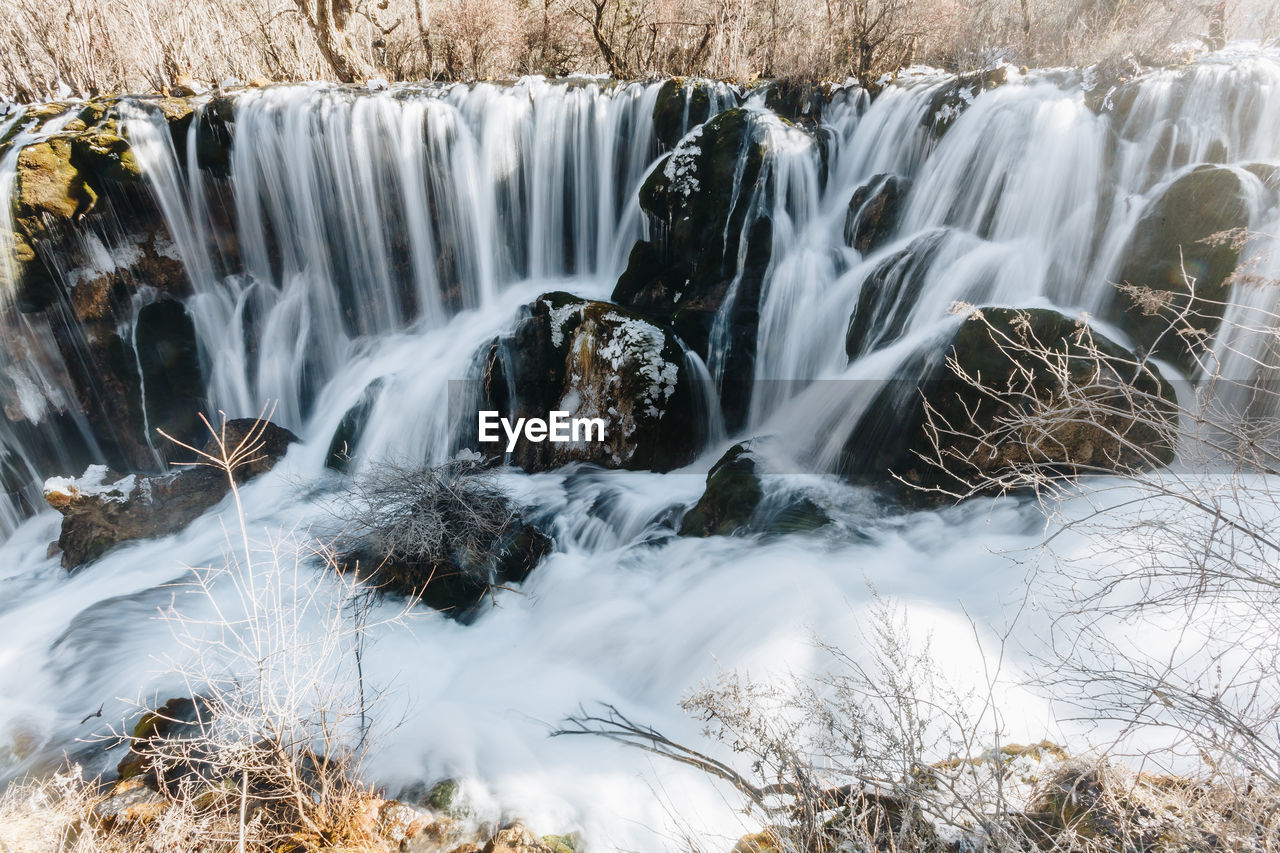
1166, 579
881, 754
1160, 572
268, 755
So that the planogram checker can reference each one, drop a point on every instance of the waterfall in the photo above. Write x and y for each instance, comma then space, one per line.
353, 252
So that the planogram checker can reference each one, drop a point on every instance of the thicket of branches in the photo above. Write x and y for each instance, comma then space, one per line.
88, 47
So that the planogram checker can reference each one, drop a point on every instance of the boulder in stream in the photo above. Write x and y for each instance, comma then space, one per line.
103, 508
735, 500
1132, 427
1191, 230
874, 210
600, 362
712, 246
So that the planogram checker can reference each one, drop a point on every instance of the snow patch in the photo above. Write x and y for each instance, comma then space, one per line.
92, 483
681, 167
641, 343
559, 316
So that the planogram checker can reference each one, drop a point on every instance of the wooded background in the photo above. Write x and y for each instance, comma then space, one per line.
93, 47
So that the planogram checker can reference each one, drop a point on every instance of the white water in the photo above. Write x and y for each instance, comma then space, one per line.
411, 225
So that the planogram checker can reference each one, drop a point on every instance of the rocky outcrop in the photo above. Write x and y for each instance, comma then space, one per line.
798, 100
734, 501
888, 294
102, 508
954, 97
685, 102
707, 201
1191, 230
78, 188
1126, 430
874, 210
593, 360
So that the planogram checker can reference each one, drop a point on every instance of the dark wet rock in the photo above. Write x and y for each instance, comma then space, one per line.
683, 103
707, 201
593, 360
102, 508
346, 438
177, 719
215, 128
173, 381
888, 294
735, 501
892, 437
874, 210
797, 100
1185, 229
733, 493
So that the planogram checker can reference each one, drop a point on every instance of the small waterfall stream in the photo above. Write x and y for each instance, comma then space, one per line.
380, 239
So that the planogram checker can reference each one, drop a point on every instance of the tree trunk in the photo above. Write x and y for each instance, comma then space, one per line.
617, 68
328, 20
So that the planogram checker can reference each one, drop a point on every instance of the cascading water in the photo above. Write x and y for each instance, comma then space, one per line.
363, 247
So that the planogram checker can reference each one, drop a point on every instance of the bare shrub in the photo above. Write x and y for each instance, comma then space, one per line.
447, 535
271, 643
873, 755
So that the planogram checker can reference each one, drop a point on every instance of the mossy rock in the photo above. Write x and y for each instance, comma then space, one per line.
49, 184
1183, 230
705, 200
732, 495
445, 797
593, 360
102, 153
571, 843
682, 103
176, 718
893, 435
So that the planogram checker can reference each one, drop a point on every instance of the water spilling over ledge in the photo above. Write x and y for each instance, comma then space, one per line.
786, 267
